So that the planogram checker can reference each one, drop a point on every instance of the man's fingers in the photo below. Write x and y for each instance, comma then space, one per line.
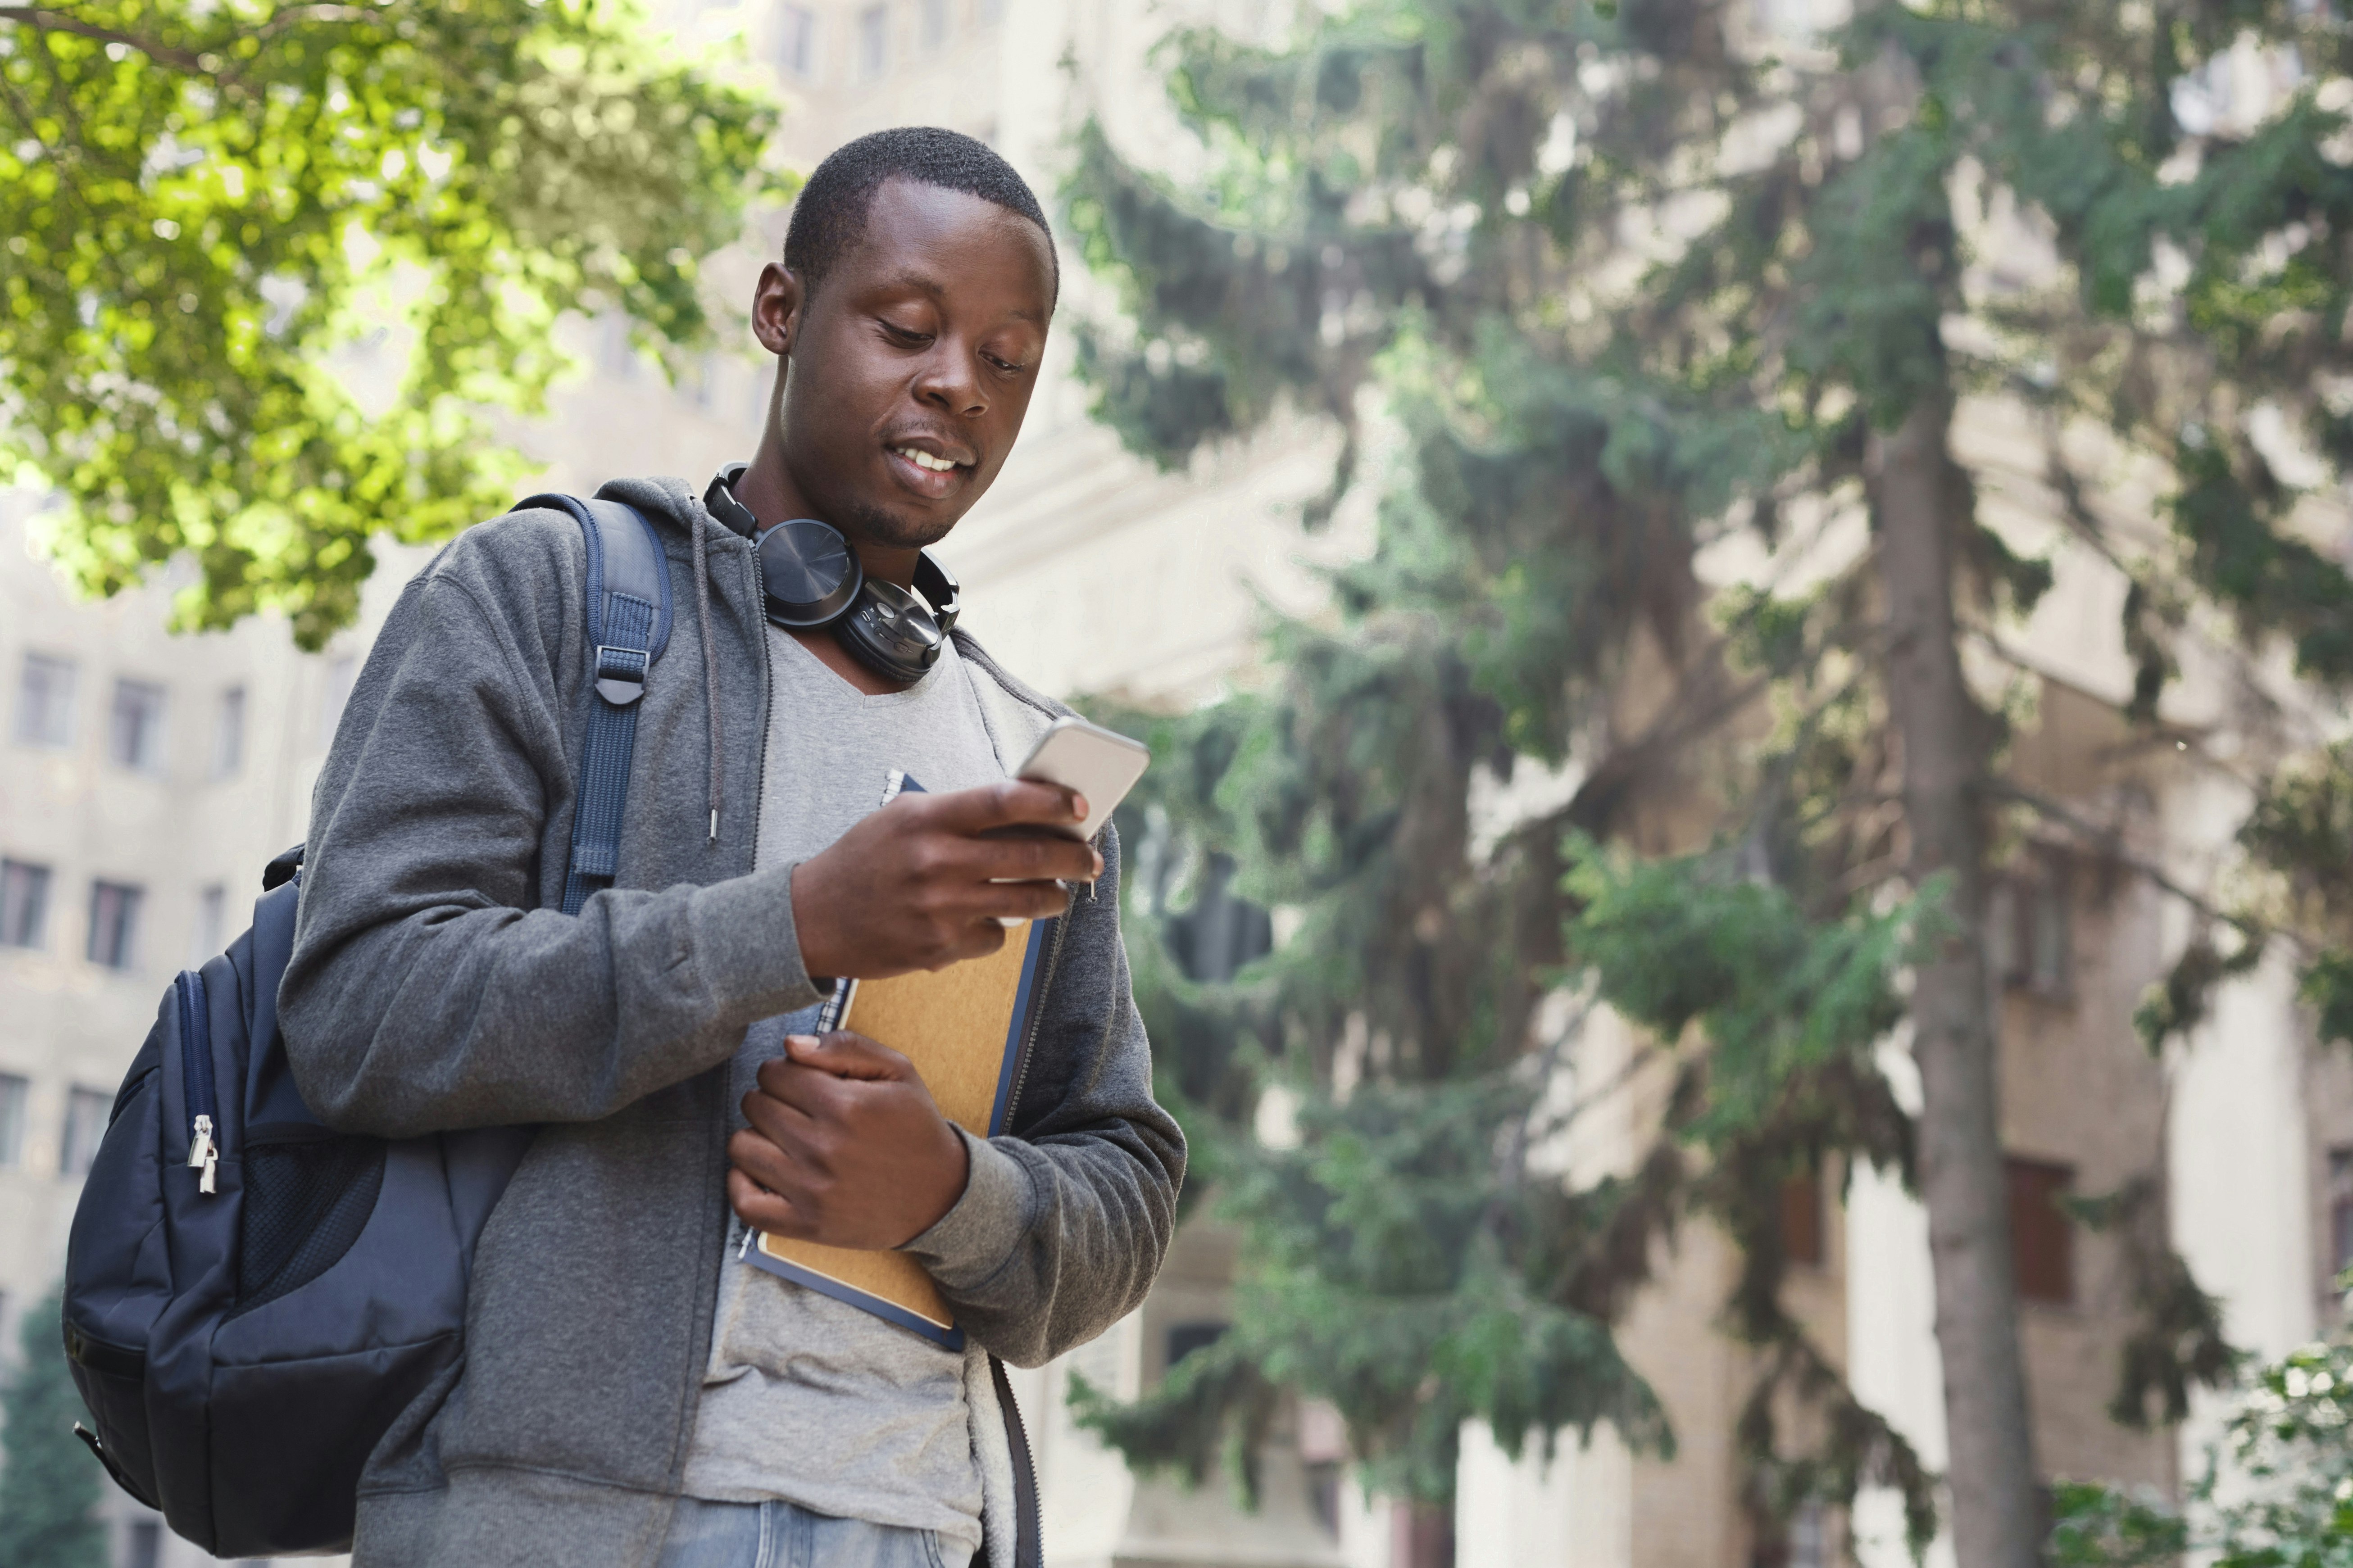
845, 1053
762, 1209
762, 1162
778, 1120
969, 811
1044, 858
1022, 900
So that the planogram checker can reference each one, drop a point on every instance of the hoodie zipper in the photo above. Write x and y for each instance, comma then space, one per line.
197, 1077
1038, 1014
1028, 1526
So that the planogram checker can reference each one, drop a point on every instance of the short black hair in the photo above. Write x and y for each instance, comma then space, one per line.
830, 216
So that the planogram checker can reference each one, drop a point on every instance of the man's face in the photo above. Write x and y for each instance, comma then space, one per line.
918, 348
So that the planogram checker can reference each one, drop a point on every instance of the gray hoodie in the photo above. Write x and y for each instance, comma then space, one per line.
435, 985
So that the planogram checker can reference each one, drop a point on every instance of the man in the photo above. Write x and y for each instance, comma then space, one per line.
631, 1392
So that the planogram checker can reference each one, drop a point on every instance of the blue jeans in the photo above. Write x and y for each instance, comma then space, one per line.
782, 1535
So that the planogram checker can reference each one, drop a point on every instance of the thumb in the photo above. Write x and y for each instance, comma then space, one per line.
848, 1054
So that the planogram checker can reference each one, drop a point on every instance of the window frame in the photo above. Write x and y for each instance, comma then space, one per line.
228, 732
86, 1113
2035, 1190
59, 703
15, 1113
138, 750
127, 899
873, 27
43, 880
796, 26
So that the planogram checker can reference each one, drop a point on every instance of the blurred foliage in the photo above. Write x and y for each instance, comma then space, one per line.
1586, 292
2276, 1492
210, 209
50, 1484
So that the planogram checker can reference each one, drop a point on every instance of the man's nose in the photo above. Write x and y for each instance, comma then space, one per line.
950, 380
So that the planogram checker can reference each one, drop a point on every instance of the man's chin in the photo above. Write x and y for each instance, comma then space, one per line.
883, 525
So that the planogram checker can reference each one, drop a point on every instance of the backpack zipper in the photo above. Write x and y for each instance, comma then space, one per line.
197, 1077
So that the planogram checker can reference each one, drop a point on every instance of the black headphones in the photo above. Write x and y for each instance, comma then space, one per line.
812, 579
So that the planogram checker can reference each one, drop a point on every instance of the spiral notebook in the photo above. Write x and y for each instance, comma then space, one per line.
963, 1027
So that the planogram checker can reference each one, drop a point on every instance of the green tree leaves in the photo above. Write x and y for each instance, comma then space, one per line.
1643, 296
212, 210
50, 1484
2285, 1502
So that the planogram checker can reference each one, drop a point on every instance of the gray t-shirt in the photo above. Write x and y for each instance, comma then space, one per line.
806, 1398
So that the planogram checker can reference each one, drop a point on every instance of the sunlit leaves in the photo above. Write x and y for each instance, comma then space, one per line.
214, 210
2285, 1500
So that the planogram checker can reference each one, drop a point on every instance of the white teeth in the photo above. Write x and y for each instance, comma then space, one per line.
923, 459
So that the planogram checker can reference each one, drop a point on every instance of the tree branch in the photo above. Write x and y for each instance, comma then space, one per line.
43, 20
2110, 842
47, 19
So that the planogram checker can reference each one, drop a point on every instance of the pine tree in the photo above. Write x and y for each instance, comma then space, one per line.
1633, 281
50, 1485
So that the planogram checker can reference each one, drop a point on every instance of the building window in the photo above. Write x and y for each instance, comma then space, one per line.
1422, 1535
873, 41
212, 924
796, 41
2026, 926
1184, 1339
935, 24
2042, 1236
135, 731
1803, 1235
45, 695
13, 1092
86, 1113
113, 924
145, 1547
23, 904
1807, 1539
229, 733
2340, 1210
341, 672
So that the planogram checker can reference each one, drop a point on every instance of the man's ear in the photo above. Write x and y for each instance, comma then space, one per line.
777, 304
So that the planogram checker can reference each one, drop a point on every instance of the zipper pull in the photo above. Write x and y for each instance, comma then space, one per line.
203, 1155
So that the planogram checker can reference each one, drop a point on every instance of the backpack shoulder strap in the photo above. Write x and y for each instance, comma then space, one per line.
629, 625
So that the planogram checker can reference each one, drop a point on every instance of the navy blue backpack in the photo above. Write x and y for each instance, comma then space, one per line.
253, 1298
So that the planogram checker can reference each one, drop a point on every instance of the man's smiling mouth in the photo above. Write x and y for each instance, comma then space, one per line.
923, 459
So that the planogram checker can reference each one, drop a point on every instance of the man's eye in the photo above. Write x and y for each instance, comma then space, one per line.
1006, 366
907, 335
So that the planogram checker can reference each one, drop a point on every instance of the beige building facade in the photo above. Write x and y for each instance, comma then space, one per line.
144, 778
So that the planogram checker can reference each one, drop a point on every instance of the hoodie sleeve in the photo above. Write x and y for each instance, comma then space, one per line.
426, 992
1063, 1225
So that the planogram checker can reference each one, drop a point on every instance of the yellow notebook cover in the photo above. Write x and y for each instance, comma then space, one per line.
963, 1027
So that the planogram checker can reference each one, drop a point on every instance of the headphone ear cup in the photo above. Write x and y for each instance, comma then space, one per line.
808, 575
891, 632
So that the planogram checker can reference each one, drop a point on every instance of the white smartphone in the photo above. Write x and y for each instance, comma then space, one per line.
1100, 764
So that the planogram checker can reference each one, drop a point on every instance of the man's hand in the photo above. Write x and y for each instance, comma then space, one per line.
917, 885
845, 1147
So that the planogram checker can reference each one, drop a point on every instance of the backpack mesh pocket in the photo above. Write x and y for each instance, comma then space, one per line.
305, 1204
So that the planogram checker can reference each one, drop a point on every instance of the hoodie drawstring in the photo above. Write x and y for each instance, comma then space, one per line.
709, 662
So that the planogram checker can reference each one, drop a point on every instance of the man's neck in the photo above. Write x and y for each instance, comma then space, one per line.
768, 489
